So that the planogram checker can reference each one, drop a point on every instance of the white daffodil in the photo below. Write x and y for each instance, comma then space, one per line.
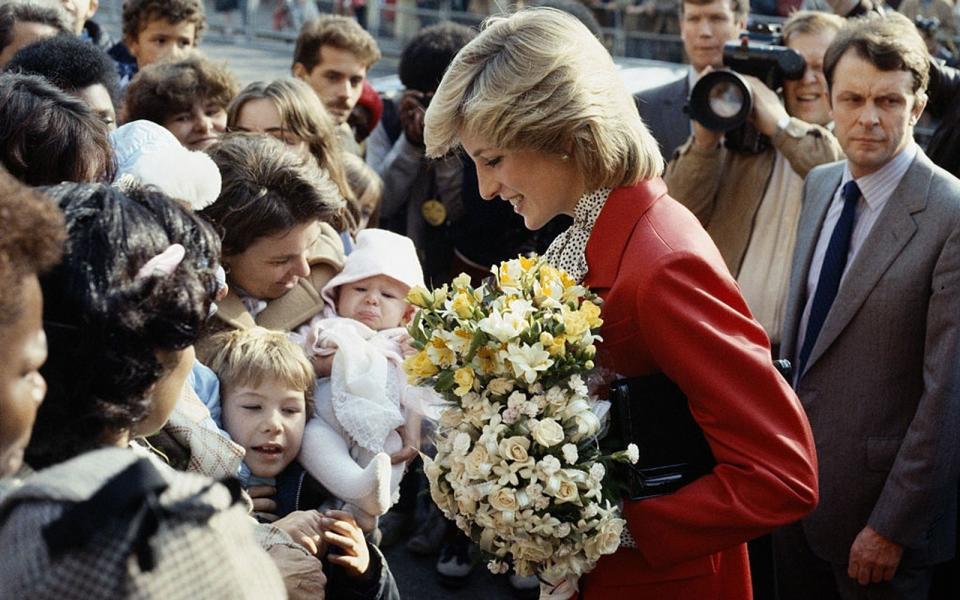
502, 326
527, 361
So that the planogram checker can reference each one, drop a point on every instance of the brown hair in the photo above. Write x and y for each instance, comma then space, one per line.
367, 188
251, 356
137, 15
304, 115
889, 42
810, 22
740, 8
12, 13
31, 243
266, 189
333, 30
162, 90
48, 136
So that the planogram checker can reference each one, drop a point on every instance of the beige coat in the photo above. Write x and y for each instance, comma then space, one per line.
724, 189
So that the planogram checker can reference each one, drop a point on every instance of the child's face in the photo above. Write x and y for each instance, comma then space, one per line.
379, 302
23, 349
200, 127
161, 39
268, 421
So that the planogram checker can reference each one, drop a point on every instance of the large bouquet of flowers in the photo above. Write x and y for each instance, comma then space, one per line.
518, 465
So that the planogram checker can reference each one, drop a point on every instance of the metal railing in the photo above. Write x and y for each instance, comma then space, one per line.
394, 22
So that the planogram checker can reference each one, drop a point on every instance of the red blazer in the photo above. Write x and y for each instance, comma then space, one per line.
671, 305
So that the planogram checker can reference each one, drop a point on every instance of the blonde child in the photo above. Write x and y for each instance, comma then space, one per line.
362, 399
267, 388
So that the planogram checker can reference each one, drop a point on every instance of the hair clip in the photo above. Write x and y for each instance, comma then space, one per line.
163, 263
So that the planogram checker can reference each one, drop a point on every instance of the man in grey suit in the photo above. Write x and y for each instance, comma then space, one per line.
873, 330
705, 26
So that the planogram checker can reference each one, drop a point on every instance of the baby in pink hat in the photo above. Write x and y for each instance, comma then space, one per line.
362, 398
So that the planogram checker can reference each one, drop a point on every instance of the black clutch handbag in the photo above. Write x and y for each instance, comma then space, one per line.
653, 413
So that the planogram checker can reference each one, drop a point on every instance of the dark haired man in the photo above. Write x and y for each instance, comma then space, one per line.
22, 23
705, 26
76, 67
872, 330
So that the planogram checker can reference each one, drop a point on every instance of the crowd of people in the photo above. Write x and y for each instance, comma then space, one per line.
203, 296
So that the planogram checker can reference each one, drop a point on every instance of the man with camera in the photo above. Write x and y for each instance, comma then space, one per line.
705, 26
749, 201
872, 330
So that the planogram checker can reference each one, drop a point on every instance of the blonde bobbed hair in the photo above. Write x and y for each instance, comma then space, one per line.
539, 80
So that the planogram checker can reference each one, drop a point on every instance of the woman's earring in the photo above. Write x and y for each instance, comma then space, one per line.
564, 157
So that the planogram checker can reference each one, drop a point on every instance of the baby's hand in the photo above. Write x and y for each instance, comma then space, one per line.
322, 364
406, 345
341, 530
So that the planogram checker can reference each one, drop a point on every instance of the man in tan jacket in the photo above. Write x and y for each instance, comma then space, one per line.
750, 203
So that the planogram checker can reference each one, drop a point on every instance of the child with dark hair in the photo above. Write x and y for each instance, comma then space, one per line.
156, 30
22, 23
76, 67
48, 136
122, 312
30, 243
188, 97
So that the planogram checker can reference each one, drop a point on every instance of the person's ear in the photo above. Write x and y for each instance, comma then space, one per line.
300, 71
92, 10
408, 314
919, 103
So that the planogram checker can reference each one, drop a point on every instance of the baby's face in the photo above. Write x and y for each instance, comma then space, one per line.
268, 421
379, 302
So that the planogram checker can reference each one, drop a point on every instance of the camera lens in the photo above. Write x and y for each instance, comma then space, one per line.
720, 100
726, 99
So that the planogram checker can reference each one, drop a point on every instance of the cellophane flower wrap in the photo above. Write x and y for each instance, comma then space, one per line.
518, 466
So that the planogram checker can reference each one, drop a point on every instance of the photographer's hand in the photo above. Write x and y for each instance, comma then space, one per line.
768, 110
411, 116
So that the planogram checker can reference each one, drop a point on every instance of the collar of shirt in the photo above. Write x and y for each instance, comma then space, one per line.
568, 250
877, 187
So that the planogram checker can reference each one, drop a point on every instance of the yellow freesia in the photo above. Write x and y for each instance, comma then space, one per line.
591, 313
419, 296
575, 323
462, 304
419, 366
463, 377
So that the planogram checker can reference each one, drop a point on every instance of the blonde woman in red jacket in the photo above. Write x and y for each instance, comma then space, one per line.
536, 102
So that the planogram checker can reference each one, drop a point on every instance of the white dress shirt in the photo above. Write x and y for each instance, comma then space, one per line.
876, 189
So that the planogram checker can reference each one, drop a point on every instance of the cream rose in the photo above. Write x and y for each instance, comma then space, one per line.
504, 499
547, 433
515, 448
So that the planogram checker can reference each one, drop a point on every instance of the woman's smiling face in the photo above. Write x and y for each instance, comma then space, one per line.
539, 185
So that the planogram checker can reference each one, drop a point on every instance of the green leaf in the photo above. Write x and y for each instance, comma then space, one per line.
479, 339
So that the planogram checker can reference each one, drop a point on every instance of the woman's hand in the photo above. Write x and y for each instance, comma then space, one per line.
341, 530
302, 575
304, 527
264, 506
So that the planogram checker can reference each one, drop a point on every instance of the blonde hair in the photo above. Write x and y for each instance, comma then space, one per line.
302, 113
539, 80
250, 357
